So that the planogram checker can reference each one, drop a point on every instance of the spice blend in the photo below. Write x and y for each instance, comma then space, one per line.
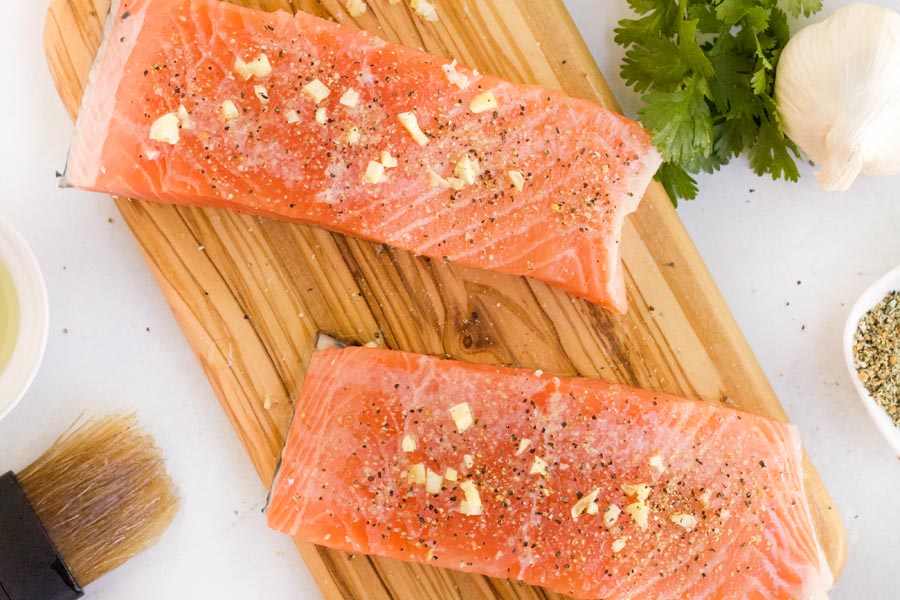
876, 351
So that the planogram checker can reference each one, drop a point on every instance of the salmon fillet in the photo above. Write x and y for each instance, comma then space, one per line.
293, 117
584, 487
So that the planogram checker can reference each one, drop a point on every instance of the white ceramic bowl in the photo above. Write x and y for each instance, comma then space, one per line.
34, 317
872, 296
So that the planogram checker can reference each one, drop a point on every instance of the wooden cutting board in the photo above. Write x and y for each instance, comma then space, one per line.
250, 294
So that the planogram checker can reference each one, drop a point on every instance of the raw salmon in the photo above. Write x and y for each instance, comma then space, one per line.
294, 117
584, 487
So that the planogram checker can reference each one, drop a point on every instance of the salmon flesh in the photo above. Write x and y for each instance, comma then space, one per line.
584, 487
293, 117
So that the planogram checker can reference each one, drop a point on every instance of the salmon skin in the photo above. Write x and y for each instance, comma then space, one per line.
293, 117
578, 485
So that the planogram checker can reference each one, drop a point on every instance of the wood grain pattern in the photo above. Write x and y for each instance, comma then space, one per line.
250, 293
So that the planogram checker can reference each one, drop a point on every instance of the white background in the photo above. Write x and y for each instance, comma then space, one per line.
789, 259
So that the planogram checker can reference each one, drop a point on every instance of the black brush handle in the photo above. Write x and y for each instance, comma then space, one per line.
30, 566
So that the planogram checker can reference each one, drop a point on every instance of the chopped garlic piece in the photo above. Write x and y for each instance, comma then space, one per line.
641, 491
523, 446
461, 416
321, 115
242, 69
455, 77
424, 9
611, 515
483, 102
387, 160
640, 512
411, 123
704, 497
416, 473
472, 504
184, 119
468, 169
292, 117
350, 98
433, 482
374, 172
593, 509
262, 93
316, 91
456, 183
351, 136
435, 180
517, 178
356, 7
685, 521
539, 467
228, 111
165, 129
258, 67
619, 544
409, 443
468, 461
724, 514
585, 503
451, 474
657, 463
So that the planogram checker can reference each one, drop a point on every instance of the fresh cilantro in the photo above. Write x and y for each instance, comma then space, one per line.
706, 69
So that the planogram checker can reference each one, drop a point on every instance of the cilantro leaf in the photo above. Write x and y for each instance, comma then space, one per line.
758, 81
772, 154
706, 69
732, 12
660, 20
655, 62
807, 7
677, 182
681, 121
691, 53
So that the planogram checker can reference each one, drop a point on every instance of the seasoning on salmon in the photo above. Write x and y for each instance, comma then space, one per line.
579, 508
289, 114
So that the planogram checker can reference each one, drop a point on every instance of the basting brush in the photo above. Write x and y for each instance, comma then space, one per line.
99, 496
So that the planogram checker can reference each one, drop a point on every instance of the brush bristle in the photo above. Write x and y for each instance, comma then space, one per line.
103, 495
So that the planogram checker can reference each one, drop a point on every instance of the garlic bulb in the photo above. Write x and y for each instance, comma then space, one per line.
838, 93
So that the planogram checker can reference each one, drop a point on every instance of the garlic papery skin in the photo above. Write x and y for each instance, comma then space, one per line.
838, 93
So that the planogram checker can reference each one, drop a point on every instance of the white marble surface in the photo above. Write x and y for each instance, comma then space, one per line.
789, 259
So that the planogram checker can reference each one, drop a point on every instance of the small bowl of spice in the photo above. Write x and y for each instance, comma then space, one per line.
872, 351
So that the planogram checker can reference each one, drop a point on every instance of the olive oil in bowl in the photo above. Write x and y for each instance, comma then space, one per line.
9, 316
24, 317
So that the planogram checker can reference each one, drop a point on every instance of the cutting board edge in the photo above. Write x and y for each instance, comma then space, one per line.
838, 549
